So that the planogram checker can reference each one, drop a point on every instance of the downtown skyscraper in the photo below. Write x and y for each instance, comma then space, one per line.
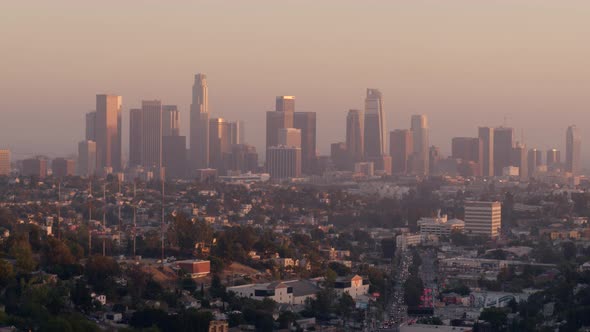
374, 140
219, 142
486, 134
108, 133
306, 122
421, 155
281, 117
151, 134
135, 137
401, 147
503, 144
355, 135
573, 150
199, 124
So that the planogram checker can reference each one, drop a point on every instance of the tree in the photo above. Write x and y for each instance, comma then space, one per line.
340, 269
286, 318
430, 321
345, 306
217, 289
99, 270
80, 295
569, 250
22, 252
495, 316
413, 289
6, 273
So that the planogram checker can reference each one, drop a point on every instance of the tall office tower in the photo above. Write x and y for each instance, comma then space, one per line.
553, 158
382, 165
242, 132
306, 122
241, 159
535, 159
340, 157
62, 167
218, 142
290, 137
282, 117
170, 120
434, 157
355, 135
420, 158
519, 159
174, 156
151, 134
483, 218
486, 134
36, 167
401, 148
108, 133
573, 150
91, 126
199, 124
285, 104
470, 151
235, 130
86, 158
374, 130
4, 162
135, 137
503, 143
284, 162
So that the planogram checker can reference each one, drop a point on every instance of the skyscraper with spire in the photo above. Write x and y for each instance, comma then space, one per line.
199, 124
374, 140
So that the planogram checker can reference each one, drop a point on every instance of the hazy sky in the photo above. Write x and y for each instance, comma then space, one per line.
463, 63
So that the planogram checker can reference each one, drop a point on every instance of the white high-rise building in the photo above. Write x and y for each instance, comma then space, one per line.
483, 218
420, 157
199, 124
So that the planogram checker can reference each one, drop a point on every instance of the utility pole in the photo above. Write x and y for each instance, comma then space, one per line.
104, 217
58, 210
119, 202
89, 218
162, 221
134, 219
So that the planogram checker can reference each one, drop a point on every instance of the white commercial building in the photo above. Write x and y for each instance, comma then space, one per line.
294, 292
483, 218
404, 241
440, 225
354, 286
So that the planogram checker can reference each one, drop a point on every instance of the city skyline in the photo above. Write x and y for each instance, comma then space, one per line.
444, 82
